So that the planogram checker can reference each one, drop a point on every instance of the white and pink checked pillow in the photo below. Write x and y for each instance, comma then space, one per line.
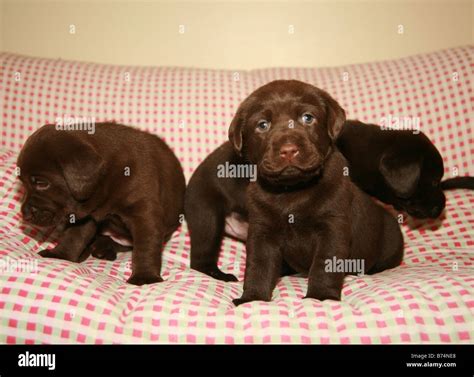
430, 298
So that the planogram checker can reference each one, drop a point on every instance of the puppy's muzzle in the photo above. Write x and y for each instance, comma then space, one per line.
28, 212
37, 215
290, 154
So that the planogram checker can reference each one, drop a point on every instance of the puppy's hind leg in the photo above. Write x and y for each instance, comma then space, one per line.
206, 226
148, 234
392, 249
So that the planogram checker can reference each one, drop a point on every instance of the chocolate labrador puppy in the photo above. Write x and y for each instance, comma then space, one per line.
302, 208
119, 182
216, 205
398, 167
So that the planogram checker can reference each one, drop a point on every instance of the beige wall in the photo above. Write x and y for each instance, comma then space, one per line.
1, 24
237, 34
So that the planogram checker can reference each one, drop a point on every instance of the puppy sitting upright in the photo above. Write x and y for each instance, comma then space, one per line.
120, 182
303, 210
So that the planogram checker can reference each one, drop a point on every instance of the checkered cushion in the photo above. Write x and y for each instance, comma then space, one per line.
430, 298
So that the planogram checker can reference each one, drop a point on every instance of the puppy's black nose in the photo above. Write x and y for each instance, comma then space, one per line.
289, 151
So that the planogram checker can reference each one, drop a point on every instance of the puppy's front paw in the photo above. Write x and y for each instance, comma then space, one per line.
106, 254
60, 254
215, 273
52, 253
244, 300
324, 296
239, 301
142, 279
219, 275
47, 253
104, 248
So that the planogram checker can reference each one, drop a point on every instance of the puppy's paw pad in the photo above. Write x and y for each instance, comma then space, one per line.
142, 280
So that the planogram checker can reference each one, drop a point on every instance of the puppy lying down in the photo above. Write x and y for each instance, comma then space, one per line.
398, 167
118, 182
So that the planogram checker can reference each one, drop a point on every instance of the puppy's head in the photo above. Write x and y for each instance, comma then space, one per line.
413, 169
287, 129
59, 171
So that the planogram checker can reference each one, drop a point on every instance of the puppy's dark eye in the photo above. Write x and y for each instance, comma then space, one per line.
40, 184
307, 118
262, 126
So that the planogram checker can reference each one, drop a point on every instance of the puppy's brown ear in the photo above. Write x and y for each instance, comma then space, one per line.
82, 168
336, 116
400, 174
235, 132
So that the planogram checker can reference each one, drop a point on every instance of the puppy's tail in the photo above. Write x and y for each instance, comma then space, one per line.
458, 183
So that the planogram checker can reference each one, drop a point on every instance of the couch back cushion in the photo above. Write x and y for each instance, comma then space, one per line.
192, 108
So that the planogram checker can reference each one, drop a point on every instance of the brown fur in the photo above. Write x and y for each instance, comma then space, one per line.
302, 209
72, 172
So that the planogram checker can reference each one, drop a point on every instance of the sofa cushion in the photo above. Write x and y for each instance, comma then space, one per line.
427, 299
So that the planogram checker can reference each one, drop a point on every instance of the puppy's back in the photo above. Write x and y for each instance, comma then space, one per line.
148, 156
150, 162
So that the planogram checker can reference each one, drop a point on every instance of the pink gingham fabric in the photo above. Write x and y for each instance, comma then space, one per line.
429, 299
